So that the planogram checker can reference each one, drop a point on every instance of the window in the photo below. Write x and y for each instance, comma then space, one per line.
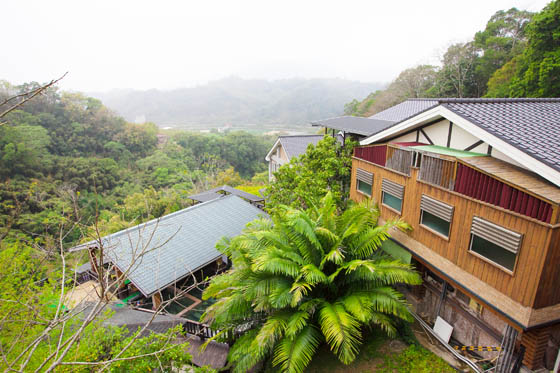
392, 194
364, 187
364, 181
392, 201
495, 243
435, 215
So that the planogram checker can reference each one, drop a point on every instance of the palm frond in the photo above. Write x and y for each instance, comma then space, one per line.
313, 275
389, 301
281, 296
341, 330
296, 322
299, 290
335, 256
326, 237
271, 331
382, 271
278, 266
242, 354
294, 354
384, 322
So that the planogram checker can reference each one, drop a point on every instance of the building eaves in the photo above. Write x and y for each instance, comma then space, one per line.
354, 125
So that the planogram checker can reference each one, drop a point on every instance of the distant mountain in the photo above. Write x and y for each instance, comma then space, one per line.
235, 101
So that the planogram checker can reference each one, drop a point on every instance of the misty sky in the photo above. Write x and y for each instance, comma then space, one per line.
171, 44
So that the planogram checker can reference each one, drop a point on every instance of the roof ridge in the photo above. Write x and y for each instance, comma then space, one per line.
299, 135
444, 100
419, 99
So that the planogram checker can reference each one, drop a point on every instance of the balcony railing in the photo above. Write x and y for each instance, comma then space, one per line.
438, 171
447, 172
399, 159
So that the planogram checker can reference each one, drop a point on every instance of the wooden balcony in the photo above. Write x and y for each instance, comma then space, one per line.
480, 177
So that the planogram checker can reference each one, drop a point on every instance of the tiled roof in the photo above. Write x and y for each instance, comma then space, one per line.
405, 110
238, 193
530, 125
205, 196
357, 125
297, 145
213, 194
165, 250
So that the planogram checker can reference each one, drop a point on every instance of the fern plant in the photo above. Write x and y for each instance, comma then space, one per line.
305, 278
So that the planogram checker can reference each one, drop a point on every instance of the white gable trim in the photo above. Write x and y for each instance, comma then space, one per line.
440, 111
267, 158
526, 160
404, 126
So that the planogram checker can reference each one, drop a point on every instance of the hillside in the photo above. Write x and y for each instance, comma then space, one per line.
235, 101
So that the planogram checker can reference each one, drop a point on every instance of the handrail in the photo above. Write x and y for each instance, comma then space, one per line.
468, 362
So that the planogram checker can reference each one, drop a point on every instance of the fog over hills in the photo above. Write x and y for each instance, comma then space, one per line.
235, 101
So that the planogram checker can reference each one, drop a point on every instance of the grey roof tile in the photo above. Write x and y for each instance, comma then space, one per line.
238, 193
405, 110
177, 244
530, 125
297, 145
214, 193
205, 196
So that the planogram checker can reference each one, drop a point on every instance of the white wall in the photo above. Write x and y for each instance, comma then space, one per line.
460, 139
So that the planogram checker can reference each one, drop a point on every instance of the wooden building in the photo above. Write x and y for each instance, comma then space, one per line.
479, 182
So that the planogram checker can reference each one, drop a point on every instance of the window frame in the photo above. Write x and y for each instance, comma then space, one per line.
361, 191
436, 208
488, 260
385, 191
391, 207
364, 176
432, 230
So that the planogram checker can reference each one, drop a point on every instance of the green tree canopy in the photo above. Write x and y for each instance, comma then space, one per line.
538, 71
322, 168
307, 278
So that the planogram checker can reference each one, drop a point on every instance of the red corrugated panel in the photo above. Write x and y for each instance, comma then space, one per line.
376, 154
478, 185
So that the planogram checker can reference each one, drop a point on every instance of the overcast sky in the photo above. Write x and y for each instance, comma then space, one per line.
171, 44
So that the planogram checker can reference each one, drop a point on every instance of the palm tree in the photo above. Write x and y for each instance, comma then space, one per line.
304, 278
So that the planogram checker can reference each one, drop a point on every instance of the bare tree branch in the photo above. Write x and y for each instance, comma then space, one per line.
27, 96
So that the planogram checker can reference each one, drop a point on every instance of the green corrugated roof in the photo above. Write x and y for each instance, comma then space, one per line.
447, 151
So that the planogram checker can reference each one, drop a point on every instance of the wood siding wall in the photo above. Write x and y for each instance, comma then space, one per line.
548, 292
523, 284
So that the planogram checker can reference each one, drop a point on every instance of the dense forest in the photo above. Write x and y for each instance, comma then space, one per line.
66, 158
516, 55
239, 101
